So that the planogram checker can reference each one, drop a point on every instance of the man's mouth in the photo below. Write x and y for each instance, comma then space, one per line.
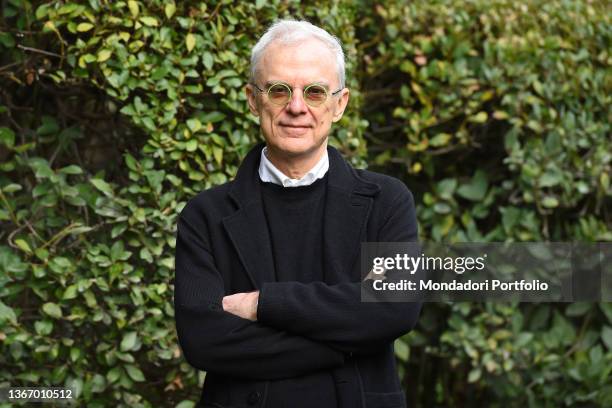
291, 125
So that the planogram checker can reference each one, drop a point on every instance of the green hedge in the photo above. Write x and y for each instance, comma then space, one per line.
113, 114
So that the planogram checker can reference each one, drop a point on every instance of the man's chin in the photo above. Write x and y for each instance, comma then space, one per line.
296, 147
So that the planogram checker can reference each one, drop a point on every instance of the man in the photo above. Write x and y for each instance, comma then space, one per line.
267, 291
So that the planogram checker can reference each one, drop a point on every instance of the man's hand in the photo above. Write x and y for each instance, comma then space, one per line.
242, 305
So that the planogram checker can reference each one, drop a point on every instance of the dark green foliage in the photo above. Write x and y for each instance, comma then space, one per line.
114, 113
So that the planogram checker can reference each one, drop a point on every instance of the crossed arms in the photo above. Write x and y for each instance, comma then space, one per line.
285, 329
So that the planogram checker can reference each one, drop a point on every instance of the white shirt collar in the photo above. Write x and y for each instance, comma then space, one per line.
269, 173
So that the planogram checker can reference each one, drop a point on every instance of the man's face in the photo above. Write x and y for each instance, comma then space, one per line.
297, 129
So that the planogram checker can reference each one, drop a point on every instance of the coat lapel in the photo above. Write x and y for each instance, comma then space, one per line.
347, 207
247, 227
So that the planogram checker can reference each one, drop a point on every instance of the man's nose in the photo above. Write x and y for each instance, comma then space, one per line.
297, 104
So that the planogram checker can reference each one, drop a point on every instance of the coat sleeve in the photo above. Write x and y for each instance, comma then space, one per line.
217, 341
335, 314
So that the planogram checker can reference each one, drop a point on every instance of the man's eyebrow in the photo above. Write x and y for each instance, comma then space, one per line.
270, 83
273, 82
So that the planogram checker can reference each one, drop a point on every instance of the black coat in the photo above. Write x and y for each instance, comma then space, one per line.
223, 248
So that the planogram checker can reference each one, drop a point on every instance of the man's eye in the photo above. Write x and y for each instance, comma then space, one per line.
316, 92
279, 90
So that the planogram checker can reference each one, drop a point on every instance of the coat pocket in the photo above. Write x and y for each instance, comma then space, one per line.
385, 399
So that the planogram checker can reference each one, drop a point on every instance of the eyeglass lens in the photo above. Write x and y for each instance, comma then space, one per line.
280, 94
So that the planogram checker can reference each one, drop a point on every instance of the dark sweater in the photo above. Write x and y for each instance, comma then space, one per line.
295, 221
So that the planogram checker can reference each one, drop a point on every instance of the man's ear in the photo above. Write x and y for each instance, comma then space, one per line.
251, 99
340, 104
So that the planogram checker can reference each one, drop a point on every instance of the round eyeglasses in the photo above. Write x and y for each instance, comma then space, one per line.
280, 93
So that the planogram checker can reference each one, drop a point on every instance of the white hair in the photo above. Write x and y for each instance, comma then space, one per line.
290, 32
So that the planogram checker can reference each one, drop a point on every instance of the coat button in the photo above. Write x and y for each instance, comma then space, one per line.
213, 306
254, 397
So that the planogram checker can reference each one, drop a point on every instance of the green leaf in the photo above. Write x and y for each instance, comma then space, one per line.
75, 353
129, 341
49, 126
131, 162
134, 373
218, 154
98, 383
446, 188
476, 189
523, 339
480, 117
70, 292
208, 60
170, 9
133, 6
550, 179
43, 327
7, 137
190, 41
606, 336
6, 313
23, 245
442, 208
550, 202
604, 180
104, 54
83, 27
212, 117
185, 404
606, 308
52, 309
474, 375
578, 309
11, 188
118, 230
103, 186
7, 40
80, 229
402, 351
113, 374
72, 169
440, 140
194, 124
149, 21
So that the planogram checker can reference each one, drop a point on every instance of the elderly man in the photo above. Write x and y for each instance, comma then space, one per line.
267, 292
